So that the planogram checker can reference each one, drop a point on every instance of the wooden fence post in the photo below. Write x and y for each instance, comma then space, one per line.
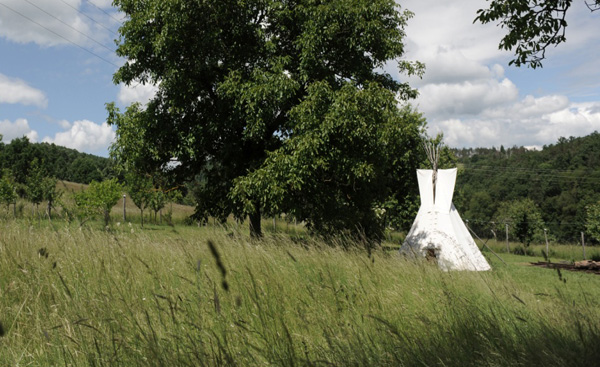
507, 246
583, 244
546, 238
124, 213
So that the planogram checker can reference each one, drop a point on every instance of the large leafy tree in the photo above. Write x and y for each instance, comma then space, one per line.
533, 26
237, 81
338, 168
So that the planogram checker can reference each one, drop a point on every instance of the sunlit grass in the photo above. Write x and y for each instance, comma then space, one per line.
133, 297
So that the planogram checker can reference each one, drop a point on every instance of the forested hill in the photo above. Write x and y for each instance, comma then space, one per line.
561, 179
59, 162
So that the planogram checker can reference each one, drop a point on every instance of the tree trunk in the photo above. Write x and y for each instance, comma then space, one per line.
255, 229
142, 211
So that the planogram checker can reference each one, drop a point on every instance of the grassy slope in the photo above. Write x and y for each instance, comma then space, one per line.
159, 298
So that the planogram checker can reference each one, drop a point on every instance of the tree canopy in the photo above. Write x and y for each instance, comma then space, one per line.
56, 161
561, 180
240, 85
532, 25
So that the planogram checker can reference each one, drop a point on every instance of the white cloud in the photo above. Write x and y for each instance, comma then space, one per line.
17, 129
531, 107
64, 124
465, 98
528, 122
85, 136
104, 4
15, 91
466, 93
449, 24
51, 23
449, 65
142, 93
578, 119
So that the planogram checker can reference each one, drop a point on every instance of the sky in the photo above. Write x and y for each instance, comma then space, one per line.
57, 61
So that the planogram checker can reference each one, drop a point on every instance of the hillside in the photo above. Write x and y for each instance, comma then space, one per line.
562, 179
60, 162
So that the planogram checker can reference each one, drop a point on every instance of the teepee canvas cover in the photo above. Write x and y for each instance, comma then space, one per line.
438, 229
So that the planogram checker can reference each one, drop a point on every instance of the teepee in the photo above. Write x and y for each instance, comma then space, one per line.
438, 231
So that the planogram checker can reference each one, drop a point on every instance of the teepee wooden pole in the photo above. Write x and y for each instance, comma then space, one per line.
433, 154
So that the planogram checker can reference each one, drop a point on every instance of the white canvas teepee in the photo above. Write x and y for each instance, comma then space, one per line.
438, 231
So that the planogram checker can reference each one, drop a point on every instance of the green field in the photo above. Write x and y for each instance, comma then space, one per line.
163, 296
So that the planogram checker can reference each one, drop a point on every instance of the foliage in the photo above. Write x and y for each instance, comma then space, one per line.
51, 194
524, 220
561, 179
158, 201
235, 80
349, 153
139, 187
8, 191
533, 26
56, 161
99, 198
35, 183
592, 222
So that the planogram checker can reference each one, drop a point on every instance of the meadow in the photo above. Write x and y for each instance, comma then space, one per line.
210, 296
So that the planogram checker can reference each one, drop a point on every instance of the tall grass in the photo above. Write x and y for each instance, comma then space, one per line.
71, 296
557, 252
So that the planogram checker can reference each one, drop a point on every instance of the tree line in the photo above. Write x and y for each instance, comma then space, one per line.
555, 188
57, 161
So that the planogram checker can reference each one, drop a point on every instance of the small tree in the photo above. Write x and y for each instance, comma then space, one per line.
34, 184
592, 221
99, 198
140, 190
50, 193
524, 217
8, 191
157, 201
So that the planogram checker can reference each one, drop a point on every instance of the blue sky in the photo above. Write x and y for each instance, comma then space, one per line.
57, 60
